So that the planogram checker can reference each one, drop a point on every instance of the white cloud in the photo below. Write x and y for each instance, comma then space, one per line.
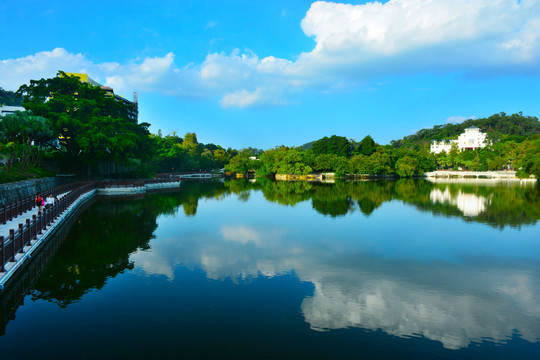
210, 25
241, 99
354, 44
240, 234
244, 99
151, 74
15, 72
419, 35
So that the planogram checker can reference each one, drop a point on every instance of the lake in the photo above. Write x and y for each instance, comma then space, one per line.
263, 270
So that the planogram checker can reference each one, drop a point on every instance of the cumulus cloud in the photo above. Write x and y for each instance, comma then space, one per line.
15, 72
361, 32
354, 44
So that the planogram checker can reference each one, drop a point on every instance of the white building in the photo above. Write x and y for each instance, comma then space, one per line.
7, 110
443, 145
471, 139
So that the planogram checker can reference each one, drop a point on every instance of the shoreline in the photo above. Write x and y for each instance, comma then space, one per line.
488, 176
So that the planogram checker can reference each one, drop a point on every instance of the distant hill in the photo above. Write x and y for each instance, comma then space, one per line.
8, 98
498, 127
308, 145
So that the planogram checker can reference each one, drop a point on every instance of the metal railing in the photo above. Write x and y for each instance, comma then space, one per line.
22, 236
25, 233
10, 211
182, 173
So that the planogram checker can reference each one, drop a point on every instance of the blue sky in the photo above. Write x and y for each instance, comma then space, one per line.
266, 73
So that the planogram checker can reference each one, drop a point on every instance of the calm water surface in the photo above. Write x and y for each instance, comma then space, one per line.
244, 270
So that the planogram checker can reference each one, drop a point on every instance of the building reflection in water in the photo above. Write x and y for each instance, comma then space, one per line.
469, 204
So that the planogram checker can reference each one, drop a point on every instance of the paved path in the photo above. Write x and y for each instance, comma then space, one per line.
21, 219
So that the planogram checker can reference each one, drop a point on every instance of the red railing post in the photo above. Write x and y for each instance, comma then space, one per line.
44, 219
40, 223
12, 236
28, 232
21, 229
2, 259
34, 227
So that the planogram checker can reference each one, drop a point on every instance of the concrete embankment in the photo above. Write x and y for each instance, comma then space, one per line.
497, 175
132, 190
331, 177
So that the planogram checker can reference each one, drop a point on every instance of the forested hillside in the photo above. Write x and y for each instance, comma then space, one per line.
498, 127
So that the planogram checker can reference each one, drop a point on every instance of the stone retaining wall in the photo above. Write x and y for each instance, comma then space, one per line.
14, 191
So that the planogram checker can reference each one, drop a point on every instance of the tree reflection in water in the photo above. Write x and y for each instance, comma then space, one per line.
508, 204
107, 235
364, 274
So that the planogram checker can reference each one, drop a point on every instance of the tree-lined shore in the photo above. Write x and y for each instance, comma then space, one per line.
514, 144
74, 127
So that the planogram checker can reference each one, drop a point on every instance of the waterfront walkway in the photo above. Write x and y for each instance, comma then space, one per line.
26, 229
21, 219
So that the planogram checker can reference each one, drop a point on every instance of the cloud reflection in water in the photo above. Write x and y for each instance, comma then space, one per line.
456, 303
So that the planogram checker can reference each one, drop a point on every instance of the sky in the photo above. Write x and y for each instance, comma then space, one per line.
265, 73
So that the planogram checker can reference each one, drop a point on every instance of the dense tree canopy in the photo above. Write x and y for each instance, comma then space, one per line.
366, 147
174, 154
337, 145
22, 135
91, 126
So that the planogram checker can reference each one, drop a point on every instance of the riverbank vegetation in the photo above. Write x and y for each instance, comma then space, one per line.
72, 126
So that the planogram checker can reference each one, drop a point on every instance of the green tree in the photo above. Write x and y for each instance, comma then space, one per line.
91, 126
379, 163
242, 164
366, 146
221, 157
26, 132
190, 142
529, 164
169, 151
407, 166
359, 164
337, 145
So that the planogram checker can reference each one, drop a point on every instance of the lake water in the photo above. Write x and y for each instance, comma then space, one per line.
293, 270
